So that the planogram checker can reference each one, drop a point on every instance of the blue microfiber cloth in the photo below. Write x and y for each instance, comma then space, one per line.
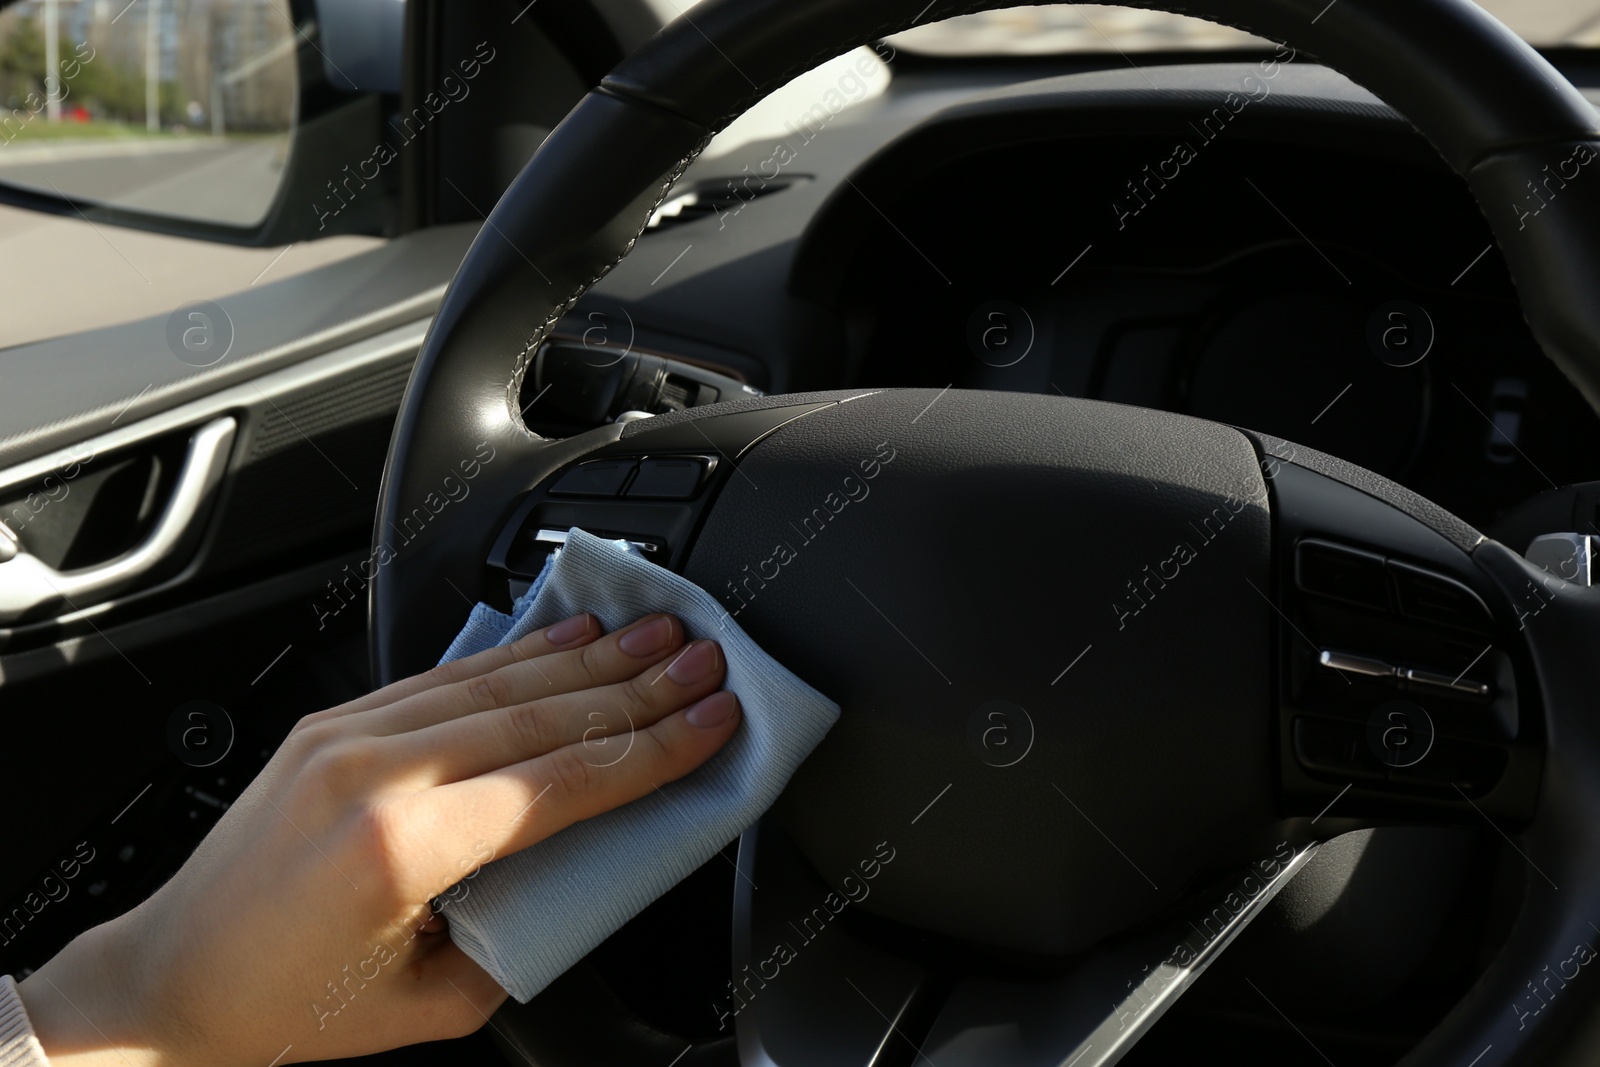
529, 916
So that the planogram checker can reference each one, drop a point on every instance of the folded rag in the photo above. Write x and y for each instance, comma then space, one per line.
529, 916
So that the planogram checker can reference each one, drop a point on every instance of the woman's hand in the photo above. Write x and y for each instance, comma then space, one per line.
263, 948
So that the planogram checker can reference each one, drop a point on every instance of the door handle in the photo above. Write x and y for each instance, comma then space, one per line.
28, 584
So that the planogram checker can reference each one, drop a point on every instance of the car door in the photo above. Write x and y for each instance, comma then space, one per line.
224, 225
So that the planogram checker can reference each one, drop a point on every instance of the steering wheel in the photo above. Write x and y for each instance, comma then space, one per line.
1220, 648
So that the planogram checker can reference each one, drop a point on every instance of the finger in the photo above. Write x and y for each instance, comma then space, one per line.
566, 634
601, 721
611, 659
520, 805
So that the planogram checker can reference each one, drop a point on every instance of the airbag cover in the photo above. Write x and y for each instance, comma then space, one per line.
1054, 607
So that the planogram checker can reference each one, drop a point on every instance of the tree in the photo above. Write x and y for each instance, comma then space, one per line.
21, 60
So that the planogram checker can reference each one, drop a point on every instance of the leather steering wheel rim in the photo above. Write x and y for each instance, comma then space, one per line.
1493, 108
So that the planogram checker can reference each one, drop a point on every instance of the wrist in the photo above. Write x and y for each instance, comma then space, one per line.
88, 1004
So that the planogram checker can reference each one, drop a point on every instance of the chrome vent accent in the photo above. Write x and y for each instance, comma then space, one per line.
722, 199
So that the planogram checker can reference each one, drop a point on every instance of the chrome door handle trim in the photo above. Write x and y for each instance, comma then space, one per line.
28, 584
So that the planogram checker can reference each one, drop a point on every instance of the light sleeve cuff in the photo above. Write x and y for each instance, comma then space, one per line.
18, 1046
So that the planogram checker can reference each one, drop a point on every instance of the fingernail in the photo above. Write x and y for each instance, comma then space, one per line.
651, 637
696, 663
568, 630
714, 710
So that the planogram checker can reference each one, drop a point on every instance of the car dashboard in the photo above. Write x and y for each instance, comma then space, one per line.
1258, 243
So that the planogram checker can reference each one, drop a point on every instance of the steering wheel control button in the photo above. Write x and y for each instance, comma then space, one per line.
1348, 663
1340, 573
1443, 683
670, 478
1429, 597
1335, 747
1000, 733
1568, 556
600, 477
200, 733
1400, 733
549, 536
1362, 665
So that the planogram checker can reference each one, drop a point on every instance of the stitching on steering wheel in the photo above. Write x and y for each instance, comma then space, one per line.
520, 369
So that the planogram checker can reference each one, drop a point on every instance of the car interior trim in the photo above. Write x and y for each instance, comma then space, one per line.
28, 583
397, 342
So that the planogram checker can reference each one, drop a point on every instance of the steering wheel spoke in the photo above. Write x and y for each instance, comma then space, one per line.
890, 999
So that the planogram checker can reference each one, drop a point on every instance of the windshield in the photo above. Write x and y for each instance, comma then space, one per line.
1100, 28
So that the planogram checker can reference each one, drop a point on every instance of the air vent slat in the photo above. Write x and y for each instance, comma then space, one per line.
713, 198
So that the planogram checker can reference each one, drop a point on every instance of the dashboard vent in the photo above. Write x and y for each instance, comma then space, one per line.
722, 199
